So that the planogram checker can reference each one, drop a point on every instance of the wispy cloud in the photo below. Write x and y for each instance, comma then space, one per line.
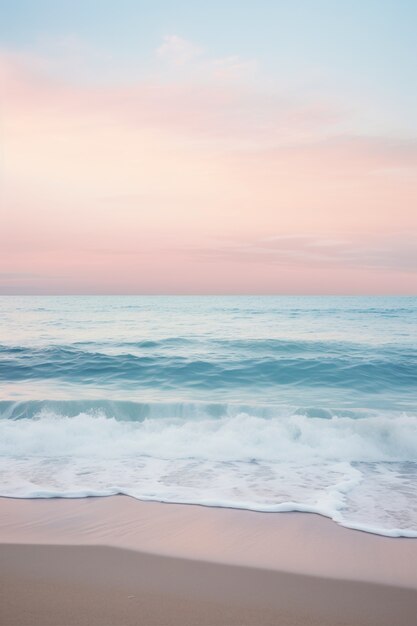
6, 276
129, 183
386, 252
177, 50
233, 67
180, 53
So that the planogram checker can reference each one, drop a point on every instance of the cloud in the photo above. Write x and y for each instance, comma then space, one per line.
6, 276
159, 168
24, 282
384, 252
177, 51
224, 110
180, 54
232, 67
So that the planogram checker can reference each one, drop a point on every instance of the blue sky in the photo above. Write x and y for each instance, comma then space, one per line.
362, 53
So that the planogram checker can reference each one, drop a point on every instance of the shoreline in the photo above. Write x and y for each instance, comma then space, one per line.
115, 560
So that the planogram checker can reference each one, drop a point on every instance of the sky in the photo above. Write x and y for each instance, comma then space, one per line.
222, 147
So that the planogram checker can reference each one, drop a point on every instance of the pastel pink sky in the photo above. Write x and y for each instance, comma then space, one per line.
207, 181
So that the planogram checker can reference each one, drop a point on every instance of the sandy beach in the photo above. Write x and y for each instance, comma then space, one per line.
117, 561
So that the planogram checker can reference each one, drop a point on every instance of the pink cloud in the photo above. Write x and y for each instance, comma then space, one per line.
122, 189
394, 251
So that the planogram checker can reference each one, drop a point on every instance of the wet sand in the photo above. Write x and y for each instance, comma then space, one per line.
116, 561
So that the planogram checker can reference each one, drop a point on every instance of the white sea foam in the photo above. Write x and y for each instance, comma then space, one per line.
360, 472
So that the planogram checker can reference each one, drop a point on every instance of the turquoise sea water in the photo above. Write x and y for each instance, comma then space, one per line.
266, 403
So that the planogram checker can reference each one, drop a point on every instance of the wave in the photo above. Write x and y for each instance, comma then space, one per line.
347, 468
125, 410
230, 437
308, 364
270, 404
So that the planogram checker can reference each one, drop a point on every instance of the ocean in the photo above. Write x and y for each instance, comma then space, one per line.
255, 402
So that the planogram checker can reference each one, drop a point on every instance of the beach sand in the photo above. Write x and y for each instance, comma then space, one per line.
117, 561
